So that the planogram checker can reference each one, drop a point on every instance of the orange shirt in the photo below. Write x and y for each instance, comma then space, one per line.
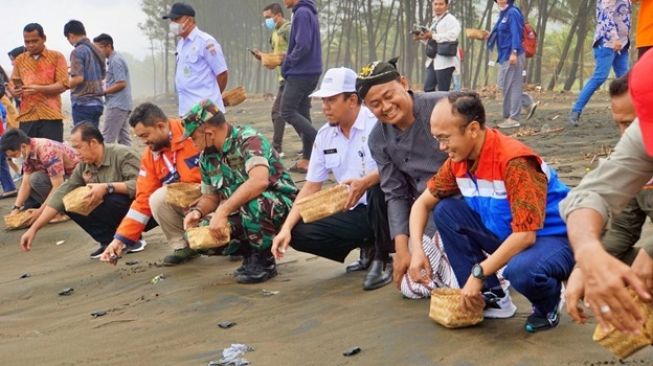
50, 67
644, 33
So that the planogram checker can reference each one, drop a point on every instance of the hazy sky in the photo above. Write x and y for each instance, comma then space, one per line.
119, 18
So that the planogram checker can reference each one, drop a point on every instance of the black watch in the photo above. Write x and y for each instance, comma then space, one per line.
110, 188
477, 272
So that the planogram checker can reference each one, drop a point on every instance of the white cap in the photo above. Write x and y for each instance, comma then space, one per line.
336, 81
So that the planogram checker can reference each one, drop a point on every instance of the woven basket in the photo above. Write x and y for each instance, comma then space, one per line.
182, 194
446, 309
271, 60
323, 203
76, 201
18, 221
475, 33
234, 96
201, 238
624, 345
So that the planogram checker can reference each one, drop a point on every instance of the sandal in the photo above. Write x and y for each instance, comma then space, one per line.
297, 169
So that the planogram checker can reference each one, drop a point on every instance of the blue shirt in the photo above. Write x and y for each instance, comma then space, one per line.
508, 33
199, 61
87, 61
118, 71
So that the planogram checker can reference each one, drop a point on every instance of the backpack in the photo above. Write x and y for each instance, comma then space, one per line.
529, 44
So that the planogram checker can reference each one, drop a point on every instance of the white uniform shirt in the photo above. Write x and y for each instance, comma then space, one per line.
447, 30
346, 158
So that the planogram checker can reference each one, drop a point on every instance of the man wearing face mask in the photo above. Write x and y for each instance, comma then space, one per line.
280, 27
168, 158
201, 67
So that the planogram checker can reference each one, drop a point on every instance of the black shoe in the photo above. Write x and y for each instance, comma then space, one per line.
180, 256
242, 269
363, 263
260, 267
379, 275
96, 254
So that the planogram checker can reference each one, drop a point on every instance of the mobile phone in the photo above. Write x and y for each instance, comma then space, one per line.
18, 83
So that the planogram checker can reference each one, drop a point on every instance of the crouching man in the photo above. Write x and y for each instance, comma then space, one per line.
244, 186
509, 211
110, 171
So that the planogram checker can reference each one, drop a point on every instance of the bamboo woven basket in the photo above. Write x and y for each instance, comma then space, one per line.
76, 201
446, 309
234, 96
624, 345
323, 203
271, 60
182, 194
473, 33
18, 221
201, 238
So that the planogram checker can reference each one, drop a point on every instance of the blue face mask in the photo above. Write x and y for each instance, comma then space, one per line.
269, 23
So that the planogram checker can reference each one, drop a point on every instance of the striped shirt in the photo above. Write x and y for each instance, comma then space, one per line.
47, 68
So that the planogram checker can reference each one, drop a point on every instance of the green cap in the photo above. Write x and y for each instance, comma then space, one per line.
198, 115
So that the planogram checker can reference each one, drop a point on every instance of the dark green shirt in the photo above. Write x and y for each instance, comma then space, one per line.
120, 164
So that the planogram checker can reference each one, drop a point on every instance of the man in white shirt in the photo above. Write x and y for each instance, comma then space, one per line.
341, 147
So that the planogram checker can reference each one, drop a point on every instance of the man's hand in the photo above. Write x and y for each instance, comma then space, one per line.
26, 240
257, 53
616, 46
31, 89
472, 298
486, 34
400, 264
217, 226
420, 269
357, 189
192, 219
97, 193
574, 293
606, 293
513, 59
643, 268
113, 252
280, 243
34, 215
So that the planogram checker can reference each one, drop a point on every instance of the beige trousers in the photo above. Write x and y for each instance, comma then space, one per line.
169, 217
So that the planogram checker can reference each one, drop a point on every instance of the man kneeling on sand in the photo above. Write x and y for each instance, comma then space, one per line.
245, 187
509, 211
110, 172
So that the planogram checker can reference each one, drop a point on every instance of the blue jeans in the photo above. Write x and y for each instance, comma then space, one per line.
5, 175
536, 272
605, 58
87, 113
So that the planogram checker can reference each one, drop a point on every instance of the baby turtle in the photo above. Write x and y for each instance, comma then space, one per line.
99, 313
25, 275
352, 351
131, 263
67, 291
226, 324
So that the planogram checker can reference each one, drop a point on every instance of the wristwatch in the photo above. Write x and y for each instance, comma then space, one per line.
110, 188
477, 272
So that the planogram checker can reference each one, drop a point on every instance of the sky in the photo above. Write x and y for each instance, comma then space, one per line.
118, 18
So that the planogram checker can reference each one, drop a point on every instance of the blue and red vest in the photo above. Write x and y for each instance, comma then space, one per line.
485, 190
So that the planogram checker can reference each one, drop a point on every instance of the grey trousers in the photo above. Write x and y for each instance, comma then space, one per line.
278, 123
115, 127
510, 81
40, 187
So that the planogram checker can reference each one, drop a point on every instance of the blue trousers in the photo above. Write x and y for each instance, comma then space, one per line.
5, 175
87, 113
605, 59
536, 272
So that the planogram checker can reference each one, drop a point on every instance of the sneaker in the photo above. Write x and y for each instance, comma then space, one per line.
96, 254
509, 123
282, 155
139, 247
498, 307
180, 256
532, 110
574, 119
259, 268
537, 322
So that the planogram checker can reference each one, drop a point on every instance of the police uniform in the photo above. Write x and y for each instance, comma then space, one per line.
199, 61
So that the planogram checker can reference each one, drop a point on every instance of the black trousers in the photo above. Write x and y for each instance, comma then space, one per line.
47, 129
101, 223
335, 236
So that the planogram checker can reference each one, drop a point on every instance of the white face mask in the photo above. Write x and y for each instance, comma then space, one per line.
175, 28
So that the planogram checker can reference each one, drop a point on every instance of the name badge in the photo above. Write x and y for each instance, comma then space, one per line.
330, 151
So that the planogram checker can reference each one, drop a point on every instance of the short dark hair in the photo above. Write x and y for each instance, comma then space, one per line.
16, 52
468, 105
74, 27
619, 86
346, 96
88, 132
31, 27
217, 119
274, 8
12, 139
104, 39
147, 114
